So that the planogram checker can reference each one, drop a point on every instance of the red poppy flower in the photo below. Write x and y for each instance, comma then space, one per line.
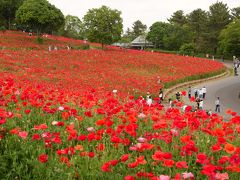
43, 158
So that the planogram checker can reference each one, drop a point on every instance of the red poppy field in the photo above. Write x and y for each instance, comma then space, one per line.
61, 119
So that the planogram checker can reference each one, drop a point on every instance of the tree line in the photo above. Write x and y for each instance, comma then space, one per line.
216, 31
200, 32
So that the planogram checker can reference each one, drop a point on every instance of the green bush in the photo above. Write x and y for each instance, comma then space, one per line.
192, 78
2, 28
39, 40
188, 49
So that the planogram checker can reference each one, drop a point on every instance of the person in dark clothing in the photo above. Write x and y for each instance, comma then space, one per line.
217, 105
160, 96
189, 92
178, 96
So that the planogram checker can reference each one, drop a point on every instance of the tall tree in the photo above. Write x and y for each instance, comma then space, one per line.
103, 25
178, 18
229, 44
73, 27
127, 37
197, 20
175, 37
157, 32
40, 15
8, 9
235, 13
219, 17
138, 28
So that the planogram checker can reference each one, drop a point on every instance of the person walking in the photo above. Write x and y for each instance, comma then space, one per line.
198, 103
178, 96
189, 92
201, 104
149, 99
170, 103
160, 96
195, 93
200, 93
217, 105
204, 91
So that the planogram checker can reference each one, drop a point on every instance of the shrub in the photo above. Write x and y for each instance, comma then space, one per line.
187, 49
39, 40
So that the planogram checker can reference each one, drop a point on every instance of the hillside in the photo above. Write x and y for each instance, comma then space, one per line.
61, 119
128, 71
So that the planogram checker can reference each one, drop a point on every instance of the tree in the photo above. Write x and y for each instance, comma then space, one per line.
40, 15
178, 18
219, 17
73, 27
138, 28
235, 13
157, 32
197, 21
103, 25
175, 37
229, 44
8, 9
127, 37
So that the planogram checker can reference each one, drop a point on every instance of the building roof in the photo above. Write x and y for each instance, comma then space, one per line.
141, 41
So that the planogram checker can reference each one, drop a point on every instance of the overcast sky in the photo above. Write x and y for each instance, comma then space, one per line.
147, 11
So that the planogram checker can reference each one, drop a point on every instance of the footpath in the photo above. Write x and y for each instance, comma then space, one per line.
225, 86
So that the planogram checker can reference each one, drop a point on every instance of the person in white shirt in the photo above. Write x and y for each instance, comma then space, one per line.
149, 99
204, 90
217, 105
201, 104
200, 93
184, 108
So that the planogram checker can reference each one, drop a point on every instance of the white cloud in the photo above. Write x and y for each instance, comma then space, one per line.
148, 11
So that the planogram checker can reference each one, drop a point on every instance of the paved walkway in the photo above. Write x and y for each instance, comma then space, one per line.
227, 89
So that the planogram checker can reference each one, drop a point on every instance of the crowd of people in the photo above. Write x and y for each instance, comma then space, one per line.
197, 95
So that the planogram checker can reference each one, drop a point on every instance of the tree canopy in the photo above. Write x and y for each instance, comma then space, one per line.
230, 40
235, 13
103, 25
8, 9
138, 29
73, 27
157, 32
178, 18
219, 17
40, 15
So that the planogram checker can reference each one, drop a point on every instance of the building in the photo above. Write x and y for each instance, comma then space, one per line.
141, 43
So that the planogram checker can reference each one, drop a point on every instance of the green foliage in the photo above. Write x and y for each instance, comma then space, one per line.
188, 49
8, 9
127, 36
73, 28
103, 25
39, 40
197, 21
219, 17
178, 18
2, 28
175, 37
235, 13
156, 33
194, 77
82, 47
138, 29
230, 40
40, 15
